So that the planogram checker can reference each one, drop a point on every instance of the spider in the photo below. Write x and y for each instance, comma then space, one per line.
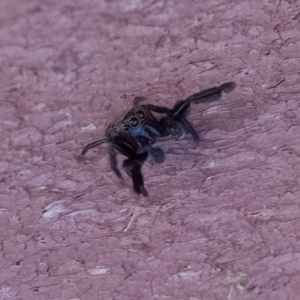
135, 133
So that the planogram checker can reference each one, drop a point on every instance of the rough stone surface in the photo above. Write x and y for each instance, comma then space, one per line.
222, 220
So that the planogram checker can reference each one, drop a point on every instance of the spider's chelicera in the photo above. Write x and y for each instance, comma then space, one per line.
135, 133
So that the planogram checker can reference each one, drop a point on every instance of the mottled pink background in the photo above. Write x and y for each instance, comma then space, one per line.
222, 220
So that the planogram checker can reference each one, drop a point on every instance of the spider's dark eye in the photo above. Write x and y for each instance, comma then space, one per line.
140, 114
143, 107
126, 126
134, 122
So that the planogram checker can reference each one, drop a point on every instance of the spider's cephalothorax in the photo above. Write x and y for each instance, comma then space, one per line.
135, 133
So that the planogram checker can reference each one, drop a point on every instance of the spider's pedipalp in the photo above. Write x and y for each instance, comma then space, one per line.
157, 154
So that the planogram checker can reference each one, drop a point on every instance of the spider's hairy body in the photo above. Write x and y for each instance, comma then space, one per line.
135, 133
137, 122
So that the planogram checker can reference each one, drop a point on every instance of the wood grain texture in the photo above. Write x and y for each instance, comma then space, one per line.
222, 217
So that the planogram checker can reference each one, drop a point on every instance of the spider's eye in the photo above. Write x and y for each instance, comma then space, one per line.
134, 122
140, 114
143, 107
126, 127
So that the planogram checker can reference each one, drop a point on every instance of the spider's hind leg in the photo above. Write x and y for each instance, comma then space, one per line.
179, 110
211, 94
169, 127
190, 129
175, 123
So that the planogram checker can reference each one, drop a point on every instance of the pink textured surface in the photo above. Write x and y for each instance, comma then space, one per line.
222, 220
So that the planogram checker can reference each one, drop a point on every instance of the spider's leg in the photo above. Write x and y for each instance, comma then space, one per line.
165, 126
137, 177
138, 99
179, 110
228, 87
158, 109
157, 154
169, 127
92, 145
212, 94
125, 144
171, 124
190, 129
113, 161
133, 167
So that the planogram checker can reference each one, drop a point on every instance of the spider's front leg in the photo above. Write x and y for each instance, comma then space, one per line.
133, 167
113, 161
93, 145
127, 146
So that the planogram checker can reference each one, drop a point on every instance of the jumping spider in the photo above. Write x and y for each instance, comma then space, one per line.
135, 133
